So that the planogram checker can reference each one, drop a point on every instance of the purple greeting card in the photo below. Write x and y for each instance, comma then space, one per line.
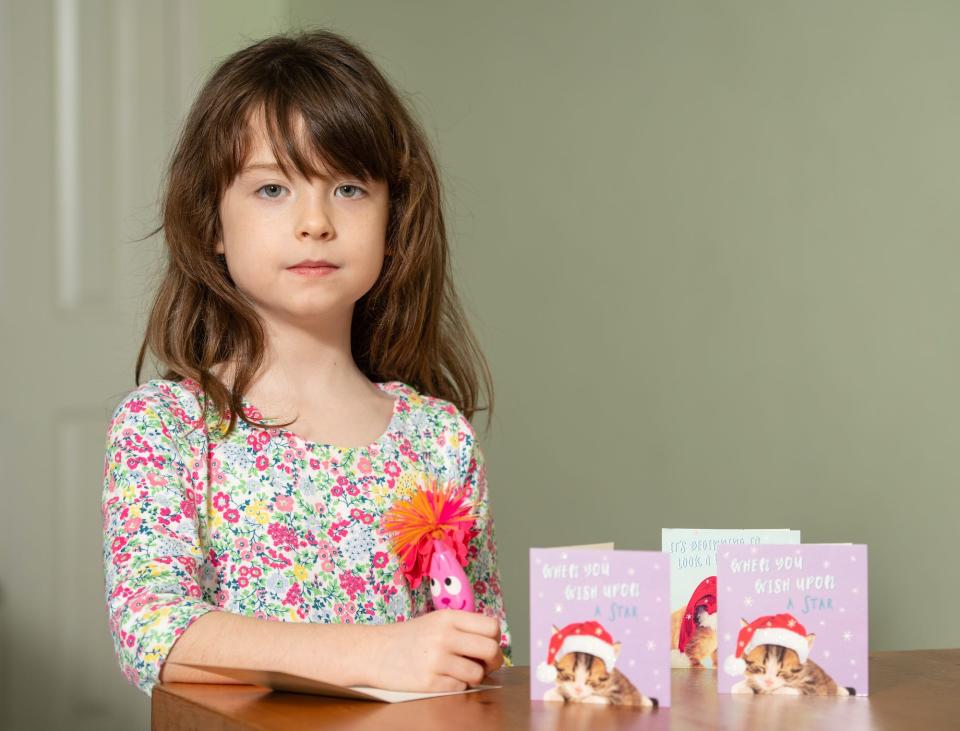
600, 626
792, 619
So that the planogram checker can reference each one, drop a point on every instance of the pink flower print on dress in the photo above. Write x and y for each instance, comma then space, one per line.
132, 524
352, 584
345, 612
363, 517
284, 503
283, 536
141, 600
338, 530
448, 583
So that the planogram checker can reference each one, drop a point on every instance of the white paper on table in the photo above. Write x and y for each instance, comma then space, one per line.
278, 680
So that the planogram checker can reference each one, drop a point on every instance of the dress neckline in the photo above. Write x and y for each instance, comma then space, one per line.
390, 387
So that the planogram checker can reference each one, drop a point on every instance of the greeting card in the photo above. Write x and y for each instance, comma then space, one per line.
292, 683
693, 580
599, 629
793, 619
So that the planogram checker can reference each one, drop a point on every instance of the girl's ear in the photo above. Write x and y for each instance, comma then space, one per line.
218, 247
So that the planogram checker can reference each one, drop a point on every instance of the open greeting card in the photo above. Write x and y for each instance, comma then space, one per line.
599, 626
693, 583
278, 680
793, 619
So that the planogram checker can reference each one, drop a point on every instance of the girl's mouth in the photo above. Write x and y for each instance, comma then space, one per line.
313, 271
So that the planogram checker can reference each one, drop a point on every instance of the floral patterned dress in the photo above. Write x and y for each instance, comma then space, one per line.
266, 524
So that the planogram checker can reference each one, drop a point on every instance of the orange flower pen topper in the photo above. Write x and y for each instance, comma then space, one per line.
430, 534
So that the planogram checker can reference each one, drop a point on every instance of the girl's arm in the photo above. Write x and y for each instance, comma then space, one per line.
333, 653
152, 488
432, 653
482, 567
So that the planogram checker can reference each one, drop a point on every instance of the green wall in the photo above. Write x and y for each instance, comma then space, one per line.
226, 26
711, 251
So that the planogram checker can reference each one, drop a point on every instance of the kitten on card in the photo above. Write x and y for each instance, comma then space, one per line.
772, 654
581, 662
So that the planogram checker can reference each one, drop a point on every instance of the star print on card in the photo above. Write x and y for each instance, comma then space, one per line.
599, 613
803, 608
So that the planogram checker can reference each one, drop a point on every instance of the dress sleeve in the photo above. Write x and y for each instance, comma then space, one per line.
152, 484
482, 568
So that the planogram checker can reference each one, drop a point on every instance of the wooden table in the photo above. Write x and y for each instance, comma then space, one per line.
916, 690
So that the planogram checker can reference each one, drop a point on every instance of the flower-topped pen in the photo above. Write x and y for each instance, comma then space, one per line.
430, 534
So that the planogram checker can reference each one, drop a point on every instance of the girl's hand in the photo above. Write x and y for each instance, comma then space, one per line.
440, 651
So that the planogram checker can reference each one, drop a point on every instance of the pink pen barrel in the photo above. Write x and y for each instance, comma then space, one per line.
448, 583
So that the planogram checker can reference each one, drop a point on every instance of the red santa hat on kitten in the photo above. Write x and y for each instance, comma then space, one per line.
775, 629
589, 637
705, 595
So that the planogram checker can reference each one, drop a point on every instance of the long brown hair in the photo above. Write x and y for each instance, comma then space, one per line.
410, 326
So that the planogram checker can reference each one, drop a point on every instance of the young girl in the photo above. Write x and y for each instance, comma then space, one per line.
319, 369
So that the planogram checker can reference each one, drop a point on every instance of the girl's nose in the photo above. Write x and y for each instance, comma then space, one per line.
314, 223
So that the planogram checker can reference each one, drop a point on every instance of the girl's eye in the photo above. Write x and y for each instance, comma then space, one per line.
271, 190
358, 190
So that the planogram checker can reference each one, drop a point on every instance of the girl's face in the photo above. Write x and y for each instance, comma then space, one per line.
272, 222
